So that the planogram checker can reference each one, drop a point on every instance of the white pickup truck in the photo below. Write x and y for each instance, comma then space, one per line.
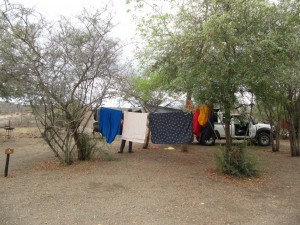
241, 128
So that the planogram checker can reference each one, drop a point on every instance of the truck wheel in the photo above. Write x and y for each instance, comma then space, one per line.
209, 142
263, 139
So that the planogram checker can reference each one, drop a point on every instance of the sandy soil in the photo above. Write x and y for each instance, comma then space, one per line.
154, 186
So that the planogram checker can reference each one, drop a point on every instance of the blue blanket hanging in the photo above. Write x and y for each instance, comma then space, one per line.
110, 123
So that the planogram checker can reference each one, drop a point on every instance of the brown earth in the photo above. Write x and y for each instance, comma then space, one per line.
154, 186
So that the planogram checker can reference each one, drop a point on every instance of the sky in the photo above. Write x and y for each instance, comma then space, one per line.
52, 9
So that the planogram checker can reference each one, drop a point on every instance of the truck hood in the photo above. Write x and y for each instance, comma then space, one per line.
263, 125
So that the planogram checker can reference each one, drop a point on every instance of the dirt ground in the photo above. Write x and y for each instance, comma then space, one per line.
153, 186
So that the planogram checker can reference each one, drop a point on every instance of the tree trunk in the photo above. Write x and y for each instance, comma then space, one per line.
68, 158
277, 137
293, 136
297, 122
184, 147
270, 115
74, 125
146, 144
227, 130
277, 129
80, 152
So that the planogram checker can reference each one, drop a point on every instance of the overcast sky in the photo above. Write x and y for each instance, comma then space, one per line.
52, 9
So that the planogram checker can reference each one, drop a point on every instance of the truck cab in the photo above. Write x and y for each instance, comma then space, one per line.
241, 127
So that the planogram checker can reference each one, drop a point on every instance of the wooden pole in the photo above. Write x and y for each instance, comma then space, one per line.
6, 165
184, 148
7, 152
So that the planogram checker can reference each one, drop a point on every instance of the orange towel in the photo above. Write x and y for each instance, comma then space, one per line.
204, 114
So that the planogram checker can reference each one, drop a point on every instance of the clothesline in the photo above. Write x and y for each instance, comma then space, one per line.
165, 128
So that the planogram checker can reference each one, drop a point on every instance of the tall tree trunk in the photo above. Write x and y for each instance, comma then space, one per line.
293, 122
274, 142
80, 152
184, 147
73, 128
227, 130
271, 120
146, 144
292, 137
278, 128
277, 137
270, 114
297, 122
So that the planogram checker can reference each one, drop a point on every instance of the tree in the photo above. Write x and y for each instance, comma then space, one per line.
63, 69
215, 49
290, 10
276, 56
202, 47
8, 81
142, 91
209, 48
266, 56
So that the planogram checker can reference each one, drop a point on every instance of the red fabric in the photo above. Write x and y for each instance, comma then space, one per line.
197, 128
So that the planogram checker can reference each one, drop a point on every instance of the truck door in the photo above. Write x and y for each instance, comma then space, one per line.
252, 129
232, 128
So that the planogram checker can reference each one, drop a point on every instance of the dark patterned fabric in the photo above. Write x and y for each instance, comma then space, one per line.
208, 129
171, 128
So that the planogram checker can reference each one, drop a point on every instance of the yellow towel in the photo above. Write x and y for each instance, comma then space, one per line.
204, 114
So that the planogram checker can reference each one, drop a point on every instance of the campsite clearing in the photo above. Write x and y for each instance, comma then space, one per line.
159, 185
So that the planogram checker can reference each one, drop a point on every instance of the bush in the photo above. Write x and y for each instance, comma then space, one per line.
236, 161
88, 146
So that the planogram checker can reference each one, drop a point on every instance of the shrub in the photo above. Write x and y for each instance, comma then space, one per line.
236, 162
88, 146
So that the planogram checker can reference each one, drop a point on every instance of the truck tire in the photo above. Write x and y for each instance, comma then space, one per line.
263, 139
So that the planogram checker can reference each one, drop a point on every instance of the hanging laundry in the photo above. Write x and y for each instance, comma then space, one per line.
109, 123
135, 126
196, 126
171, 128
204, 115
208, 129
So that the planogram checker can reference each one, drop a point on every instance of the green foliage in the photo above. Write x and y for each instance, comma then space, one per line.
236, 162
218, 49
88, 146
203, 47
145, 88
